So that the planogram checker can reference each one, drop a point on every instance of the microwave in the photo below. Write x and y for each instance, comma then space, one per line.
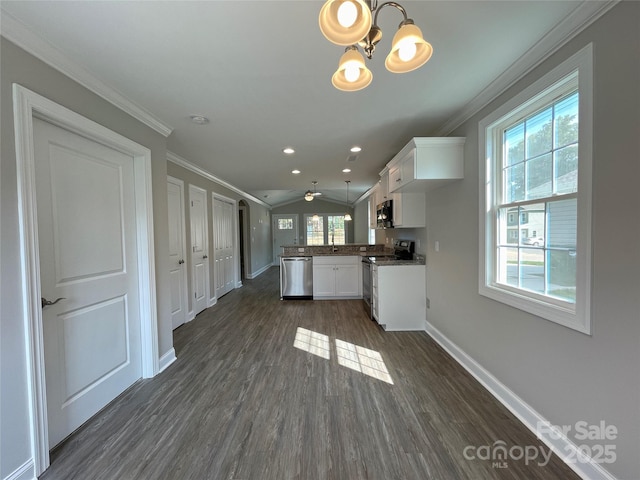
384, 214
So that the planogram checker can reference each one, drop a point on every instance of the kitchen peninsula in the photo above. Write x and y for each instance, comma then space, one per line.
374, 273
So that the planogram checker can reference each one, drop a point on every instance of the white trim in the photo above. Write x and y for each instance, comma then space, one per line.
184, 163
167, 359
190, 316
561, 446
583, 16
26, 105
253, 275
580, 319
212, 301
24, 38
23, 472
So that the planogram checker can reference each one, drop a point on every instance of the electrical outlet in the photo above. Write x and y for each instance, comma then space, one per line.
363, 249
437, 246
300, 250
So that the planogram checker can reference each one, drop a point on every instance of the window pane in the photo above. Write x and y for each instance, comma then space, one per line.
514, 144
508, 266
539, 177
532, 219
336, 230
562, 274
285, 224
508, 230
514, 183
539, 133
532, 269
566, 121
315, 230
563, 223
566, 169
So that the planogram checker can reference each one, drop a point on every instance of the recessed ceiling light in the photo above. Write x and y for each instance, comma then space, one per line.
289, 150
199, 119
346, 170
295, 172
356, 149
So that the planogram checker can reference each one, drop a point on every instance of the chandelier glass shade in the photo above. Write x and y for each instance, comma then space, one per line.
349, 23
352, 73
345, 22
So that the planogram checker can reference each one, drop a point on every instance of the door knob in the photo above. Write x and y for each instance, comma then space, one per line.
46, 303
180, 262
204, 256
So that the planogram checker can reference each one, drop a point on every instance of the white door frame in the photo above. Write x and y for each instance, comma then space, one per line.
26, 105
237, 282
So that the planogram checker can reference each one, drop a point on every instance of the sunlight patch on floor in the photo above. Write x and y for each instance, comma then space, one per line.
312, 342
362, 360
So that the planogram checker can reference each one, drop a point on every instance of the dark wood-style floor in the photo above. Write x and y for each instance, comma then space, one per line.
241, 402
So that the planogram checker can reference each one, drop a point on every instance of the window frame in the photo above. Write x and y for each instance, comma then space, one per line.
576, 316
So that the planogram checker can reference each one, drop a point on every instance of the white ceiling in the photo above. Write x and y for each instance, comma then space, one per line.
261, 71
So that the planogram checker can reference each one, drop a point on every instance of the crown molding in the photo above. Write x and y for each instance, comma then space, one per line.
184, 163
17, 33
584, 15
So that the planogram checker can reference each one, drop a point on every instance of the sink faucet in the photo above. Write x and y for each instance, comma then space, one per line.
334, 249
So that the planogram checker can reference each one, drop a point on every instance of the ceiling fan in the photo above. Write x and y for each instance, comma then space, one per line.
309, 195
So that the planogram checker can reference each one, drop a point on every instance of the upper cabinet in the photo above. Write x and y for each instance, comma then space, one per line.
426, 163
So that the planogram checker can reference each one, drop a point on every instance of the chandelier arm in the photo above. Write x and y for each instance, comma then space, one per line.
389, 4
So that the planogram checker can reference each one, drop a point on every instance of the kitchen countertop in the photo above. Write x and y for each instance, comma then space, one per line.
381, 261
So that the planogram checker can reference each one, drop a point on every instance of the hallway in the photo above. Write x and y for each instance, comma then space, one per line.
242, 402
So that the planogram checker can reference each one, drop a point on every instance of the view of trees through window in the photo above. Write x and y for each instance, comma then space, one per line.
325, 229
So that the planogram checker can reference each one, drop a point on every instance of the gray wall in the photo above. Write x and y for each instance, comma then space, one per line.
20, 67
316, 206
565, 375
259, 254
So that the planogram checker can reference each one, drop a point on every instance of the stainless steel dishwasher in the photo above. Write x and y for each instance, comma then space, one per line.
296, 278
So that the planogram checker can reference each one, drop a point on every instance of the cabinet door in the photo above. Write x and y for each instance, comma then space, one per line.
347, 280
395, 178
324, 280
397, 210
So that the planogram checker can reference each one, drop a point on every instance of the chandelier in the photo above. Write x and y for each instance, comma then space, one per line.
350, 23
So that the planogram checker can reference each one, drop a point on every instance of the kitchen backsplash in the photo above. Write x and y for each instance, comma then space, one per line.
350, 249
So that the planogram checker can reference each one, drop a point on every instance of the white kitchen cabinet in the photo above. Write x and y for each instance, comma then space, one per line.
399, 297
338, 276
426, 163
409, 210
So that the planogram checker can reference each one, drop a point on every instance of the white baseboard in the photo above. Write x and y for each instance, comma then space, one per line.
167, 359
560, 444
212, 302
26, 471
190, 316
259, 272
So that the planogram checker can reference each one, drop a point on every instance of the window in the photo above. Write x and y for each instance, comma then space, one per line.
535, 229
285, 224
315, 229
325, 229
372, 231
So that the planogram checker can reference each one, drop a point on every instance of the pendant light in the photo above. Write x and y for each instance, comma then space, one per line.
345, 22
352, 74
347, 216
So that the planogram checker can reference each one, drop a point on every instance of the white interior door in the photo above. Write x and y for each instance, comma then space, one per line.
177, 252
223, 244
199, 248
87, 248
285, 232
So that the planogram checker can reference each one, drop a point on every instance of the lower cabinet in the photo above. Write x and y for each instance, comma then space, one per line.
337, 276
399, 296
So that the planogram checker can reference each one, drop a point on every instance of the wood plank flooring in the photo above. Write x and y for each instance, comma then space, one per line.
242, 403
